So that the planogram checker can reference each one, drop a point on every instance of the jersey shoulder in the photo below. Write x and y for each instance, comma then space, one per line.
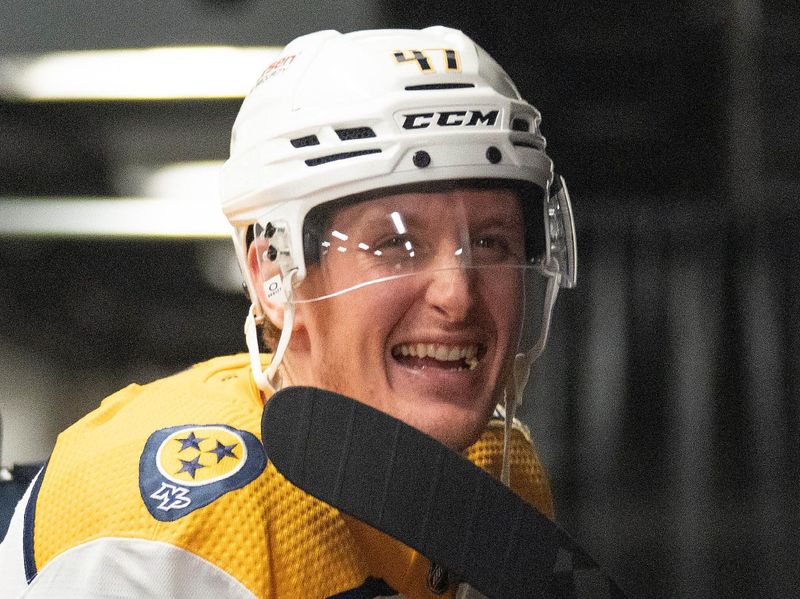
529, 479
168, 462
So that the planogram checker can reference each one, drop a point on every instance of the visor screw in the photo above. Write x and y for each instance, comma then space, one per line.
493, 155
272, 253
269, 229
421, 159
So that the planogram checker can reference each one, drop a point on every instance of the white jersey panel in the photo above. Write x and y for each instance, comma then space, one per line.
117, 567
12, 564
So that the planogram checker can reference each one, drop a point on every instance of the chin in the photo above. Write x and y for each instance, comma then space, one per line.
457, 440
450, 427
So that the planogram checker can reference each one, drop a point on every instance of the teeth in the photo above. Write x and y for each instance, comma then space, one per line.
443, 353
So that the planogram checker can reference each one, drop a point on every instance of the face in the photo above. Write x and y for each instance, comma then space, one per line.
431, 342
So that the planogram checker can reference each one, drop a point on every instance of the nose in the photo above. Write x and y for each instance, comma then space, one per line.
450, 293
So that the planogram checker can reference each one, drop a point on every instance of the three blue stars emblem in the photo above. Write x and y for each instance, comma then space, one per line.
192, 442
183, 468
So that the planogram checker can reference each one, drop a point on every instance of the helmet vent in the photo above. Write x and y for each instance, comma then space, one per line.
520, 125
302, 142
341, 156
416, 88
355, 133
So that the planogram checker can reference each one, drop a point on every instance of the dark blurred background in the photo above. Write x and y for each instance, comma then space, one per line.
666, 406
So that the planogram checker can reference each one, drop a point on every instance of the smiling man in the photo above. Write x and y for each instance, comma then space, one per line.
426, 288
403, 238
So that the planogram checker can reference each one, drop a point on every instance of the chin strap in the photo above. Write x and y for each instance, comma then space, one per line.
268, 380
251, 338
465, 591
519, 376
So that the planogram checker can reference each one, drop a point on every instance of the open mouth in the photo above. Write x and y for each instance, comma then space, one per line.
437, 355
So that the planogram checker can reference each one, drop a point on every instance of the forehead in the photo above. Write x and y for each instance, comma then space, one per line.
464, 202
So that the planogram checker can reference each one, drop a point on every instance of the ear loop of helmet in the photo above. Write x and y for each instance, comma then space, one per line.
266, 380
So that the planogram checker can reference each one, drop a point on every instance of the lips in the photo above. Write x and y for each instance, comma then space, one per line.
438, 355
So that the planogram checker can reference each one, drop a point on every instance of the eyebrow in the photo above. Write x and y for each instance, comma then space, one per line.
381, 215
411, 218
502, 223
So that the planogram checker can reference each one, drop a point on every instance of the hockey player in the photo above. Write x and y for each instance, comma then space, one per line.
403, 238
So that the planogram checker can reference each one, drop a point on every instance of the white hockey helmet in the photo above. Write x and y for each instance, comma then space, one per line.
342, 115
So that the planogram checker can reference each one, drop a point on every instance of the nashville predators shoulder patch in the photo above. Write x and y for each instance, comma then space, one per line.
183, 468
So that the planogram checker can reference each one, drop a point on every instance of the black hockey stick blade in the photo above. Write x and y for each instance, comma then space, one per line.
408, 485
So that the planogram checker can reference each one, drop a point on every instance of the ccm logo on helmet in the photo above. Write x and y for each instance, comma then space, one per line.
449, 118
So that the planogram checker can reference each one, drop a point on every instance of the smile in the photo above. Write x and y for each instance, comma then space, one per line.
448, 356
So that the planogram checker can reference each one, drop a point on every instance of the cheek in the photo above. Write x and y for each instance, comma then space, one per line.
358, 322
349, 336
502, 301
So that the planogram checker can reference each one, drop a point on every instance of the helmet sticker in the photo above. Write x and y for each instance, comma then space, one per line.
450, 58
274, 289
483, 116
183, 468
281, 65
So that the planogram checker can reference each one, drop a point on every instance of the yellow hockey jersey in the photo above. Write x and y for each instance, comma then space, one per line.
165, 490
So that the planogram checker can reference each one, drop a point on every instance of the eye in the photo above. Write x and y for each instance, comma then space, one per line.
395, 241
399, 246
493, 247
489, 243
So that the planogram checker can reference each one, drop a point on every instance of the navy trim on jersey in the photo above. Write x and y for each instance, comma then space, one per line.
372, 587
27, 528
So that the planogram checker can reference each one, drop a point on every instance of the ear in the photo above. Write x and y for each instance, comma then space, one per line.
262, 270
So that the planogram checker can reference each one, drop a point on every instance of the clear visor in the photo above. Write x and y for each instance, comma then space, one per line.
467, 251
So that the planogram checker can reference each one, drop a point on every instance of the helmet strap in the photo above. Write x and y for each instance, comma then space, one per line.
512, 395
509, 403
251, 338
267, 380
